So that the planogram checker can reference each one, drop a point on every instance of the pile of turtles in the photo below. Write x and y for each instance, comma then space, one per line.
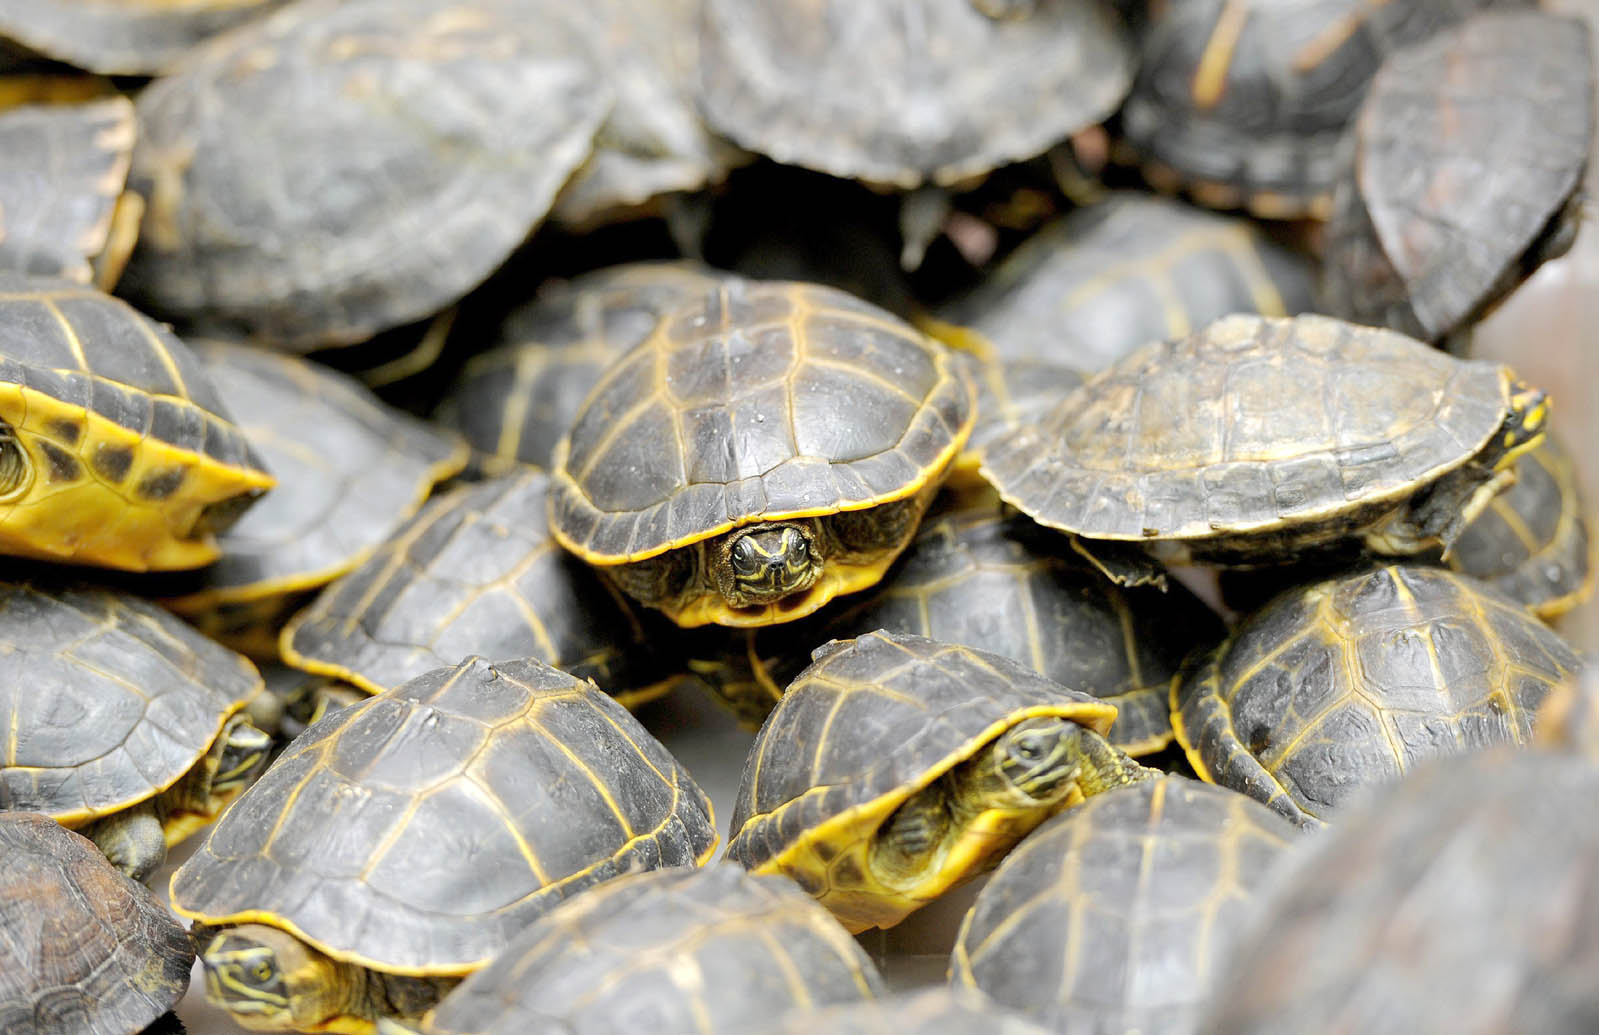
399, 397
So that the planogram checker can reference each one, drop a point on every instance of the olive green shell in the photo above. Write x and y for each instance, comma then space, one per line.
904, 92
1190, 439
350, 470
1133, 269
1532, 543
121, 37
1468, 148
1353, 681
514, 402
417, 832
1244, 101
932, 1011
344, 166
877, 719
1462, 900
476, 572
1116, 915
713, 951
108, 700
62, 169
758, 402
973, 577
83, 949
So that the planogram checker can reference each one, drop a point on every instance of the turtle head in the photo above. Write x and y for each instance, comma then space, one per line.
1037, 759
269, 980
765, 563
243, 756
1524, 425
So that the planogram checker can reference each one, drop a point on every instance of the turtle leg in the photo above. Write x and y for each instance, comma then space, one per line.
907, 842
1123, 565
133, 840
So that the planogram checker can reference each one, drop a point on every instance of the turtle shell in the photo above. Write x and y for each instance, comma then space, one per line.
1108, 278
1352, 681
977, 578
1462, 900
932, 1011
121, 37
1244, 101
1010, 393
417, 832
344, 166
114, 448
709, 951
1459, 169
476, 571
86, 950
761, 402
514, 402
62, 172
109, 700
867, 725
905, 92
1189, 439
1532, 543
1114, 916
350, 470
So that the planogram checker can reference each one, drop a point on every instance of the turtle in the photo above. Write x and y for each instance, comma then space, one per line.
1011, 391
115, 450
401, 843
477, 571
339, 167
895, 767
1091, 287
64, 211
1459, 176
902, 93
1532, 543
1568, 719
124, 722
1353, 680
83, 949
1114, 916
1184, 450
122, 37
978, 577
1243, 102
940, 1010
709, 951
768, 447
1463, 899
514, 402
350, 471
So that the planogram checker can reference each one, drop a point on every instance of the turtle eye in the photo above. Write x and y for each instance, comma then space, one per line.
744, 558
262, 971
797, 551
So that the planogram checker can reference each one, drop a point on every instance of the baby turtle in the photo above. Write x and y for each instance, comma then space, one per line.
401, 843
896, 767
1352, 681
1461, 173
767, 448
712, 951
114, 448
124, 722
83, 949
1185, 450
1115, 916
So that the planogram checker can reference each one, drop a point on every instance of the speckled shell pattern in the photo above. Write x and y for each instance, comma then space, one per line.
87, 950
62, 168
1190, 439
881, 716
939, 1010
1463, 900
713, 951
353, 839
108, 699
1351, 682
905, 92
1115, 916
1092, 287
476, 570
1467, 145
127, 37
763, 401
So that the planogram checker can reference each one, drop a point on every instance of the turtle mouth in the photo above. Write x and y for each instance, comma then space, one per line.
16, 470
